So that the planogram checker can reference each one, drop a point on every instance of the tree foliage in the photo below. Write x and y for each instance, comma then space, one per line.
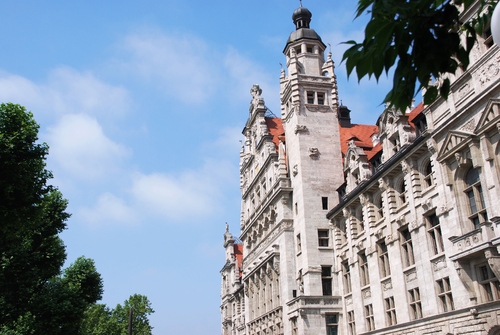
423, 39
100, 320
35, 298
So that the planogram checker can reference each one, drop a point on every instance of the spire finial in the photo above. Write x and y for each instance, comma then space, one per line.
300, 3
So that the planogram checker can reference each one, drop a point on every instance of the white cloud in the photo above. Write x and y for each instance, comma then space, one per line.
65, 91
79, 146
179, 64
189, 196
244, 74
109, 209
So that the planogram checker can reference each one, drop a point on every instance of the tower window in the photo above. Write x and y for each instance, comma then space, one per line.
326, 279
310, 97
324, 202
321, 98
323, 237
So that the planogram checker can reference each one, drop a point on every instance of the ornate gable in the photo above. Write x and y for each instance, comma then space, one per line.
454, 141
489, 117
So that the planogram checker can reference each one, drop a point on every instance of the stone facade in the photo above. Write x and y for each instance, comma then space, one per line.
367, 229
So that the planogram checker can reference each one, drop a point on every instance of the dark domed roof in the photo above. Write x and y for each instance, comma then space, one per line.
301, 13
302, 18
303, 33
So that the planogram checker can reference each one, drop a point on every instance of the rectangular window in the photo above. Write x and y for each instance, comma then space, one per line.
390, 311
434, 233
369, 320
363, 269
326, 279
295, 330
324, 203
407, 248
310, 97
444, 295
351, 324
323, 237
321, 98
299, 244
415, 304
383, 259
347, 277
490, 286
331, 321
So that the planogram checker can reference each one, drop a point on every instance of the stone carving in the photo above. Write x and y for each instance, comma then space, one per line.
256, 92
469, 126
489, 71
462, 91
431, 146
313, 152
439, 264
295, 170
427, 204
411, 276
382, 184
387, 285
366, 293
300, 129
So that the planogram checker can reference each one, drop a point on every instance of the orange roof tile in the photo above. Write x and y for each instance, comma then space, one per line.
238, 252
360, 133
275, 129
415, 111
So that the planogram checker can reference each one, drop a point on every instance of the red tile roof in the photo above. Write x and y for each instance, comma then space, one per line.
360, 133
275, 129
415, 111
238, 253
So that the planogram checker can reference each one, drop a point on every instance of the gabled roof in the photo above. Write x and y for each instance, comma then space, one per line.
362, 136
238, 253
275, 127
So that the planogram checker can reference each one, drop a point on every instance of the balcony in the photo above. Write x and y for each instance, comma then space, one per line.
305, 303
472, 243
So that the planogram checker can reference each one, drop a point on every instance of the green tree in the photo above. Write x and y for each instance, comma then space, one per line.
422, 38
32, 214
100, 320
34, 297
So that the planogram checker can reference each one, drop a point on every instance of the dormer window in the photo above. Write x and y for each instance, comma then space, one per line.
420, 124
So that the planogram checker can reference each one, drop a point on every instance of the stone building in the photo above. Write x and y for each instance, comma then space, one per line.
367, 229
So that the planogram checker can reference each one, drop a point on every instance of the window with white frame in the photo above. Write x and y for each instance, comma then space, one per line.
346, 272
383, 259
474, 193
323, 237
351, 323
428, 179
489, 284
364, 275
331, 321
400, 189
379, 206
415, 303
390, 311
406, 247
369, 320
434, 233
444, 295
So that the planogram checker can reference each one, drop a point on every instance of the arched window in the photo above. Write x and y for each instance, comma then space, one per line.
401, 192
475, 198
379, 206
427, 175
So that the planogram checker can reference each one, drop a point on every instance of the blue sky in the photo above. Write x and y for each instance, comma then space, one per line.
142, 104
